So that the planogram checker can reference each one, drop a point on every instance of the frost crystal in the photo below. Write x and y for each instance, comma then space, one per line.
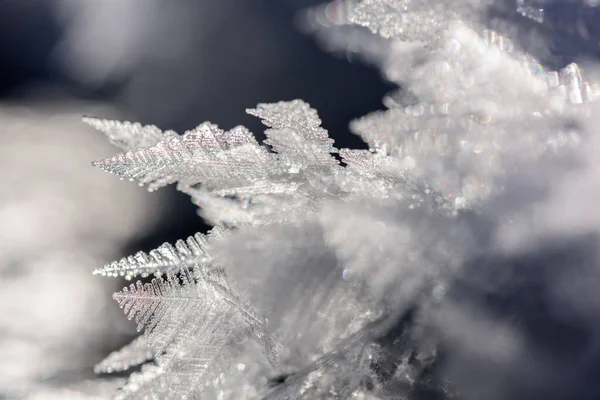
190, 323
339, 273
167, 257
206, 154
127, 135
135, 353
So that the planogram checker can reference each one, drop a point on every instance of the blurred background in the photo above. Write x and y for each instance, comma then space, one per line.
140, 60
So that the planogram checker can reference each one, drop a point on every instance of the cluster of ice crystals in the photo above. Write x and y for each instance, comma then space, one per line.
406, 20
260, 187
358, 250
472, 106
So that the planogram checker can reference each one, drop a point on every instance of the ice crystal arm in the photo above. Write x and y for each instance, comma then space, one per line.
158, 305
186, 324
127, 135
185, 254
190, 322
135, 353
206, 154
296, 134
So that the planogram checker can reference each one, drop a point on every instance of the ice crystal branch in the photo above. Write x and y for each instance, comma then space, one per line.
127, 135
205, 154
135, 353
184, 254
190, 322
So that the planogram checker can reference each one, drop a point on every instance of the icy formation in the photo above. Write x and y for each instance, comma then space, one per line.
329, 279
185, 253
126, 135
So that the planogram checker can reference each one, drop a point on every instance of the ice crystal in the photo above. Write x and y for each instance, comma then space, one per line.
189, 322
339, 272
261, 187
135, 353
167, 257
458, 137
127, 135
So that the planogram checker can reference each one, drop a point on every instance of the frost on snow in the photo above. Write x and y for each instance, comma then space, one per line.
329, 279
